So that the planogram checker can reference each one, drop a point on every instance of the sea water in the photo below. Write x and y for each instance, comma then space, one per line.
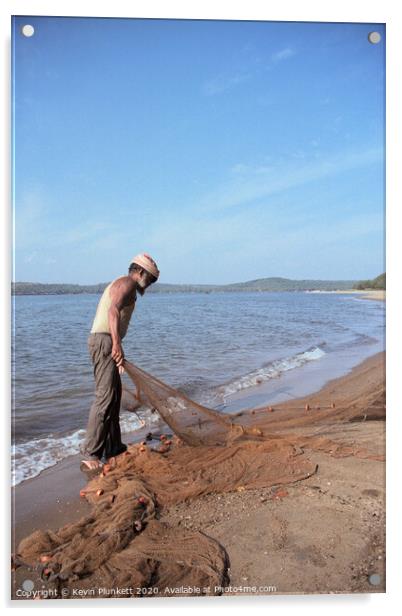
225, 350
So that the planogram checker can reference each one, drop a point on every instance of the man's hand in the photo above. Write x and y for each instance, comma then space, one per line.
117, 354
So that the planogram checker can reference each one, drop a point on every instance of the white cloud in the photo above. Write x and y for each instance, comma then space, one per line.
283, 54
31, 257
29, 214
251, 183
211, 237
223, 82
241, 245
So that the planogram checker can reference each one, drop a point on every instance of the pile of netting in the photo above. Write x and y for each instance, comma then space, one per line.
122, 543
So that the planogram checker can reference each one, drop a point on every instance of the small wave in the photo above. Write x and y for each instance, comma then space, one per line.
32, 457
191, 387
355, 340
361, 339
271, 371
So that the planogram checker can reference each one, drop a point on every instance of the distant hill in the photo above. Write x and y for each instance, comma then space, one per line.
375, 283
260, 284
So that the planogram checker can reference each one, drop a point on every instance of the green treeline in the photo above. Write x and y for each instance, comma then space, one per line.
375, 283
260, 284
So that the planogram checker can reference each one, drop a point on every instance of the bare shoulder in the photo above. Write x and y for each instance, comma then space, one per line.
123, 290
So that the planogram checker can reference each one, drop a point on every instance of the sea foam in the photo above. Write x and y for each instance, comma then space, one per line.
32, 457
270, 371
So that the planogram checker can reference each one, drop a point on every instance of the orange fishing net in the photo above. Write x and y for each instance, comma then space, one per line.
193, 423
121, 543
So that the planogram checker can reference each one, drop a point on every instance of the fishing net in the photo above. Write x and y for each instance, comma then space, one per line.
193, 423
122, 543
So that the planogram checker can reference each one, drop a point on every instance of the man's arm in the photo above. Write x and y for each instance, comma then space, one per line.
121, 293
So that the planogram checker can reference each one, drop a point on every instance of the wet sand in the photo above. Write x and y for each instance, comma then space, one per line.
321, 534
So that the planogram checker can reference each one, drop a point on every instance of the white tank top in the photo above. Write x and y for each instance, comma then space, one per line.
101, 321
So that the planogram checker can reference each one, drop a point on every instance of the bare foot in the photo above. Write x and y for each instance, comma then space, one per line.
90, 465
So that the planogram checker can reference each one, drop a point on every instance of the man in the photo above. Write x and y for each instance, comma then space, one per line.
115, 307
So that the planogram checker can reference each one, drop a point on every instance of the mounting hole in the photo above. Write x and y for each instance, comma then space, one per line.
374, 37
28, 585
375, 579
28, 30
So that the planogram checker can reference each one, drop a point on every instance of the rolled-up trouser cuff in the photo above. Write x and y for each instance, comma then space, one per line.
87, 455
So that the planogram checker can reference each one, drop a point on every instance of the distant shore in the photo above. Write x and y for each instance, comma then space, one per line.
259, 285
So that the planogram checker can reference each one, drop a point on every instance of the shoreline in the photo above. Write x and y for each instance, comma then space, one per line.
374, 294
298, 382
303, 381
51, 499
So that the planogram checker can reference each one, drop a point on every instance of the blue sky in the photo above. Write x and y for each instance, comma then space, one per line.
227, 150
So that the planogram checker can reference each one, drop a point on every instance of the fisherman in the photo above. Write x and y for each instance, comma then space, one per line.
115, 307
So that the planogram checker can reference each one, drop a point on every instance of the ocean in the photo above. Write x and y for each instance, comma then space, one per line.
225, 350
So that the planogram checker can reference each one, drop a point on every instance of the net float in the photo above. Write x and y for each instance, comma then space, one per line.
83, 493
143, 443
142, 500
168, 442
257, 431
333, 405
99, 492
162, 437
317, 408
138, 525
142, 448
280, 494
270, 409
45, 558
307, 407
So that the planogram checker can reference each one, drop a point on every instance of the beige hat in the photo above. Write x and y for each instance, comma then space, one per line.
146, 261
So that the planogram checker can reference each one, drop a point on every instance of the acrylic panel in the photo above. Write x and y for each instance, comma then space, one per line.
198, 308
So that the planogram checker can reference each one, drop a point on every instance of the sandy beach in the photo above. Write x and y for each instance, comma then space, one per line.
320, 533
375, 294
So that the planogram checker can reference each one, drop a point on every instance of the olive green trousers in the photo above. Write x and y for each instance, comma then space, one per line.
103, 436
